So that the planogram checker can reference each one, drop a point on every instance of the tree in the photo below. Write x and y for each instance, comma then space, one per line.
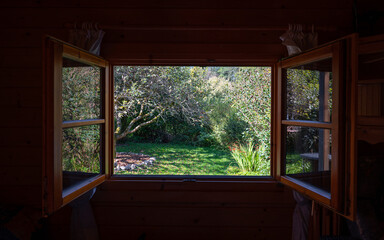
143, 94
250, 95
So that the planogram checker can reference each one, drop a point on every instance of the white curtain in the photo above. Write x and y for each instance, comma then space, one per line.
297, 41
301, 217
83, 223
88, 36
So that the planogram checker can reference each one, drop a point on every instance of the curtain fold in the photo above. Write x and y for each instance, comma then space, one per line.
297, 41
301, 217
88, 37
83, 223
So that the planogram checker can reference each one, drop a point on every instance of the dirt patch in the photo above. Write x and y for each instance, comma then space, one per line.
129, 161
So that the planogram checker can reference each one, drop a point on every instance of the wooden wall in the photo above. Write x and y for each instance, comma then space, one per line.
165, 31
177, 210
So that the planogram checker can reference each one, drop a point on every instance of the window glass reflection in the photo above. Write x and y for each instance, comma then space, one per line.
80, 91
308, 155
309, 91
80, 154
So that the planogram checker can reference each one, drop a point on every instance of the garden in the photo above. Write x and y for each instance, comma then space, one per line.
193, 120
185, 120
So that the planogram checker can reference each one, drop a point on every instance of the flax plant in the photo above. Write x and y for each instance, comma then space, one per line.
249, 158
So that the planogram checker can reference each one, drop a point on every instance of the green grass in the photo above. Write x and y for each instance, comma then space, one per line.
175, 159
295, 164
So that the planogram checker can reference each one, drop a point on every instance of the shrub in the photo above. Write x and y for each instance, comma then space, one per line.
249, 158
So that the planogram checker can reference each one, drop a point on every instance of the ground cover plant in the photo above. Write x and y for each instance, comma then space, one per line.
181, 159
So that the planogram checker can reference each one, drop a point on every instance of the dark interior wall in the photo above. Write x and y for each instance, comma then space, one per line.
157, 32
177, 210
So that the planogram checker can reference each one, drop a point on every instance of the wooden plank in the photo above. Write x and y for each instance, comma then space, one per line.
305, 123
27, 78
198, 37
167, 60
372, 135
20, 156
20, 176
11, 137
207, 186
79, 123
174, 4
187, 53
20, 58
192, 233
184, 197
175, 17
80, 55
77, 190
370, 121
23, 37
338, 126
308, 57
308, 190
21, 195
195, 216
21, 97
21, 117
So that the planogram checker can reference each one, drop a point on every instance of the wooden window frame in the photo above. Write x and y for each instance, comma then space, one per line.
344, 201
341, 198
54, 197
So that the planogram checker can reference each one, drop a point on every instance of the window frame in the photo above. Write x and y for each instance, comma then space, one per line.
341, 198
54, 197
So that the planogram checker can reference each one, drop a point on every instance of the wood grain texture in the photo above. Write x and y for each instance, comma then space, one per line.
262, 210
25, 23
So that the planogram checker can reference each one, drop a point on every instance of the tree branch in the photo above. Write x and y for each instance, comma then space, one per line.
129, 129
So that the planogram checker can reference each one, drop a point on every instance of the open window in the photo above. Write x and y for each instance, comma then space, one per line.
313, 125
76, 118
192, 121
312, 112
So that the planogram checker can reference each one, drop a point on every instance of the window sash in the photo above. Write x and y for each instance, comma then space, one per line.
332, 198
55, 197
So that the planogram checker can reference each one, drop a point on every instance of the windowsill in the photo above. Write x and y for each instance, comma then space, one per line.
190, 178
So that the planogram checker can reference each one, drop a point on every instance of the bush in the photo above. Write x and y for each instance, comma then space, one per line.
249, 158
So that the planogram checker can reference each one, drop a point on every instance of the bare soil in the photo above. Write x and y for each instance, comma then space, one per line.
123, 159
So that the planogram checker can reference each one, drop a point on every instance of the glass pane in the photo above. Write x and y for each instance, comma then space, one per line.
81, 154
308, 155
81, 91
309, 91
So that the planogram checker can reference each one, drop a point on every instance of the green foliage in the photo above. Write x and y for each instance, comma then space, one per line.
81, 97
296, 164
81, 100
179, 159
249, 158
81, 149
302, 94
147, 93
233, 105
303, 103
251, 99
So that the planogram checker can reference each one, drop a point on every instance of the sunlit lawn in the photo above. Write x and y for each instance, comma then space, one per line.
175, 159
295, 164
